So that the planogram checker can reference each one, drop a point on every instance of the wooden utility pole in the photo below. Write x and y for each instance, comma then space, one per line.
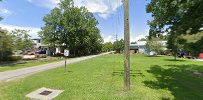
127, 46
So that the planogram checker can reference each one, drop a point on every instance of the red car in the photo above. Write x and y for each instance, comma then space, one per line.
201, 56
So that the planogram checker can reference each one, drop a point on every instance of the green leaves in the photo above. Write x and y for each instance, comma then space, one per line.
107, 47
118, 46
72, 27
0, 16
155, 44
180, 16
6, 46
175, 17
21, 40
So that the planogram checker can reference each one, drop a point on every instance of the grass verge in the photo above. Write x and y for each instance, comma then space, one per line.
101, 78
8, 67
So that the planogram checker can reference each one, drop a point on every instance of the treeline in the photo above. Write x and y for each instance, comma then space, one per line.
12, 42
117, 46
73, 28
177, 18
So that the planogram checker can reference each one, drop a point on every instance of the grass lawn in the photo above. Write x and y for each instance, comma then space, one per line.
8, 67
152, 78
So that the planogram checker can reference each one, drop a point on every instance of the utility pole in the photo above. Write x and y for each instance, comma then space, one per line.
127, 46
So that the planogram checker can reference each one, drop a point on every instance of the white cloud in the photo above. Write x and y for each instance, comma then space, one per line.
50, 4
104, 8
105, 16
136, 38
33, 31
5, 12
108, 38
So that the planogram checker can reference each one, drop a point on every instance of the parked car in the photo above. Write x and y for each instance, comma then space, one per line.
201, 56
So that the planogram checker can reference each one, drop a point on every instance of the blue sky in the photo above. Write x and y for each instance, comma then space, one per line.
28, 14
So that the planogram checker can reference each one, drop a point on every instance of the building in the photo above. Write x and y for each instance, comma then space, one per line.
140, 47
42, 48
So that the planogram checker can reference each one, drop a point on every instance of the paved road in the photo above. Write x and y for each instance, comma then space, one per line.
10, 75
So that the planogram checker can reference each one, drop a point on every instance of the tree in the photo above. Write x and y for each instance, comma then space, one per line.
118, 46
0, 16
72, 27
5, 45
21, 40
175, 16
193, 44
154, 44
142, 39
175, 43
133, 43
107, 47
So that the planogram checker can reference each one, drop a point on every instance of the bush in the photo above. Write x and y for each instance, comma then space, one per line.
58, 54
15, 58
6, 55
40, 55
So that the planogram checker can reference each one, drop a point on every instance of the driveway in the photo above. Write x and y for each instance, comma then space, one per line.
15, 74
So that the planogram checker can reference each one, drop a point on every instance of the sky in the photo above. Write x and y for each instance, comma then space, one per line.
28, 15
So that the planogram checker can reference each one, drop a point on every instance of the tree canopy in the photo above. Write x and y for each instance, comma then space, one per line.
0, 16
154, 44
11, 42
175, 17
72, 27
179, 16
6, 45
21, 40
118, 46
107, 47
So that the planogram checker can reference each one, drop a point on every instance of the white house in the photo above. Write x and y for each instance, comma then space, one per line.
45, 49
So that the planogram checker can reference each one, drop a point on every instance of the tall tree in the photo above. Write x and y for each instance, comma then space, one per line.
155, 44
175, 43
118, 46
194, 44
0, 16
5, 45
176, 16
74, 28
21, 40
107, 47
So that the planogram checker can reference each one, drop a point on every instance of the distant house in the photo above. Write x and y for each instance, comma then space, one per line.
37, 43
46, 49
140, 47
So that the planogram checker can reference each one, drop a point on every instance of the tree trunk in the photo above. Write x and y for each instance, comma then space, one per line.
175, 56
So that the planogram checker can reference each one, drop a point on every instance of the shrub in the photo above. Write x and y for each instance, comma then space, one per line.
15, 58
58, 54
40, 55
6, 55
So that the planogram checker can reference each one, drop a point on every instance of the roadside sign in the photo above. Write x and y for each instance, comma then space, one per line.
66, 53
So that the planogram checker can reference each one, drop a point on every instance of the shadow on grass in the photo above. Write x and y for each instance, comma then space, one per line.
12, 64
153, 56
179, 80
133, 73
173, 60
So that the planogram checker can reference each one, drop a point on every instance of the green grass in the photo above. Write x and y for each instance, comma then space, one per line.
8, 67
152, 78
